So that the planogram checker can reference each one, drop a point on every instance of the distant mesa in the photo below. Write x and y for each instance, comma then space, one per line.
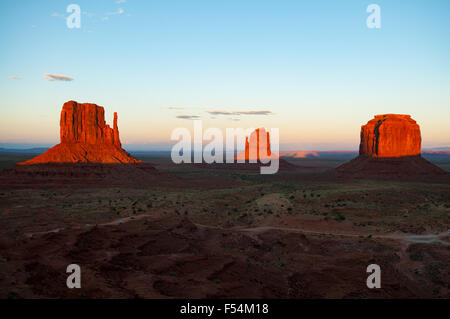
390, 135
390, 147
299, 154
257, 153
258, 147
317, 154
85, 138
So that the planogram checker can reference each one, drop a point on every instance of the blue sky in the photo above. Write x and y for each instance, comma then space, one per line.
314, 65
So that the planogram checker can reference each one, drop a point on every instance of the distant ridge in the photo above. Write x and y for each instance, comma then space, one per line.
35, 150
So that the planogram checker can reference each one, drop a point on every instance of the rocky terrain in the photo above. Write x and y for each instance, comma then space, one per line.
148, 228
236, 234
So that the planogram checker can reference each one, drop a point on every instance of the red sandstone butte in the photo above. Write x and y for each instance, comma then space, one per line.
258, 147
85, 138
390, 148
390, 135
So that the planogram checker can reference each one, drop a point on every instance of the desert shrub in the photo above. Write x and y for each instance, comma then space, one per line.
416, 256
13, 294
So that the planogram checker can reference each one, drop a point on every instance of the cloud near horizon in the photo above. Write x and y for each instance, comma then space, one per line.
119, 11
188, 117
58, 15
57, 77
175, 108
240, 113
15, 77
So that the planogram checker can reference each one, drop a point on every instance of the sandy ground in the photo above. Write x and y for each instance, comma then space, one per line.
197, 233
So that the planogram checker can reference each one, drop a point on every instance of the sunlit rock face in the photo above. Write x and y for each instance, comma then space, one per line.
258, 147
390, 149
390, 135
85, 138
85, 123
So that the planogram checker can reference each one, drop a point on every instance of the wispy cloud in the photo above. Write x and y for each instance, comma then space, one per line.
121, 1
15, 77
113, 13
88, 14
240, 113
57, 77
175, 108
220, 113
58, 15
187, 117
119, 11
253, 113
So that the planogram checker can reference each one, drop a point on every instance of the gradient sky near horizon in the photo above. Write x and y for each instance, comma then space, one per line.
313, 64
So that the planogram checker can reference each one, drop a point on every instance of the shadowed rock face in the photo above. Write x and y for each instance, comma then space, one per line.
85, 138
390, 135
405, 168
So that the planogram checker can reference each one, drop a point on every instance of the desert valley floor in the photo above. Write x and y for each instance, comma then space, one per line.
197, 232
